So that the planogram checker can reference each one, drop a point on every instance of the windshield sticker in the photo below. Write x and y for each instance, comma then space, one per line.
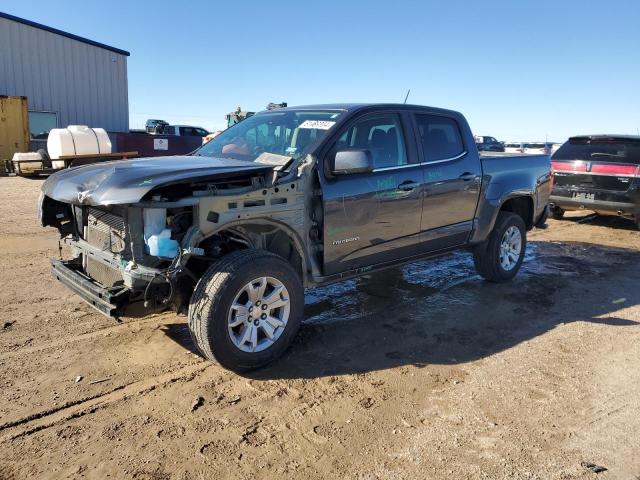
272, 159
317, 124
291, 150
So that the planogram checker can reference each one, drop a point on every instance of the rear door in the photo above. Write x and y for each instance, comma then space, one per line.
452, 175
372, 218
586, 165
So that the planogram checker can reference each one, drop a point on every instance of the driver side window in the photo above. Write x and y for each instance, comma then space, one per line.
379, 133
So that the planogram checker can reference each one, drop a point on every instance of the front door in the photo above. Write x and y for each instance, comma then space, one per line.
372, 218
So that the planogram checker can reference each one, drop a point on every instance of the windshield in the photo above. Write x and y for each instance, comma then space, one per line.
272, 137
615, 150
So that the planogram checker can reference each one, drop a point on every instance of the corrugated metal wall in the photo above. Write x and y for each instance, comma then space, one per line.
84, 84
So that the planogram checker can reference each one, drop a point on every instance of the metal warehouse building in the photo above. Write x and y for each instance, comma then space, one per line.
68, 80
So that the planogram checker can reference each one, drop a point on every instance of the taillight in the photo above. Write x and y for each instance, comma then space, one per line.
568, 167
619, 170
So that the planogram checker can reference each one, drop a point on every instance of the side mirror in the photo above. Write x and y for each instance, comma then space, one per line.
352, 161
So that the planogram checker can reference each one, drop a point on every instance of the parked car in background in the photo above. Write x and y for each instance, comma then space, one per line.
532, 148
184, 131
514, 147
599, 173
537, 148
488, 144
154, 125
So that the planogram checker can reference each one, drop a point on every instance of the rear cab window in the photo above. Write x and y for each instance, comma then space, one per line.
440, 137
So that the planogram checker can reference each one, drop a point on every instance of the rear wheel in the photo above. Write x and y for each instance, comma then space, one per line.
500, 257
557, 213
246, 309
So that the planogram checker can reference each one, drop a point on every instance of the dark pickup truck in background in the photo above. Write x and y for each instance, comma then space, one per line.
599, 173
488, 144
286, 199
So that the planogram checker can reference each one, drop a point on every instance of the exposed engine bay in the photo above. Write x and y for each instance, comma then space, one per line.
203, 220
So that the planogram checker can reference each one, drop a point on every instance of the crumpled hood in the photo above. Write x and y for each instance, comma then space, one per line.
127, 181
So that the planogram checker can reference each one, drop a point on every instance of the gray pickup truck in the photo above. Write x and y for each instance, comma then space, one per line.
289, 198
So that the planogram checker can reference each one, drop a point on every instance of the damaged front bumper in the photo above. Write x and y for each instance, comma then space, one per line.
133, 275
108, 301
133, 281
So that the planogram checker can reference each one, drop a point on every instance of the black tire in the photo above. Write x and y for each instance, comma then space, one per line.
486, 256
557, 213
542, 221
211, 302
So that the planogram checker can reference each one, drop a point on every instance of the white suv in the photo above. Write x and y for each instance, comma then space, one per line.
184, 131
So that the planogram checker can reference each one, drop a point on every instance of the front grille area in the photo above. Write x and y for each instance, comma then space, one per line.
107, 232
103, 274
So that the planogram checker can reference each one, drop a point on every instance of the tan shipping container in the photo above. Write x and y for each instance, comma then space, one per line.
14, 126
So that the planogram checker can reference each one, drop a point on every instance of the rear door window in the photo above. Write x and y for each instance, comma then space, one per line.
600, 150
440, 137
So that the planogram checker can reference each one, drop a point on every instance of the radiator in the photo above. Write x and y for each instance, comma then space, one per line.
107, 232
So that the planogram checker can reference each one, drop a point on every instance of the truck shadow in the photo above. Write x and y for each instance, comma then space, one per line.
441, 312
610, 221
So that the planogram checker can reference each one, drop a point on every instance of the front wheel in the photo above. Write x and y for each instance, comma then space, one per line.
246, 309
500, 257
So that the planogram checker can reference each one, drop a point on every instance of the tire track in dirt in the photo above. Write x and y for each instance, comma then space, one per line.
129, 326
50, 417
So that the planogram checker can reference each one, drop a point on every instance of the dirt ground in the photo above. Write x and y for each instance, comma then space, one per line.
421, 372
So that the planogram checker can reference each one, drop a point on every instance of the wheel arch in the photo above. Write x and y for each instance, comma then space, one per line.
520, 202
270, 235
521, 205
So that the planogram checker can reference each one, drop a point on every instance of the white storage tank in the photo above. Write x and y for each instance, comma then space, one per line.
27, 167
76, 140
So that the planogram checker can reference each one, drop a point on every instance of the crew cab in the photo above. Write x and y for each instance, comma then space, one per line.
599, 173
286, 199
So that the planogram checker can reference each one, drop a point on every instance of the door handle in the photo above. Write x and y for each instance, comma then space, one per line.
408, 186
466, 176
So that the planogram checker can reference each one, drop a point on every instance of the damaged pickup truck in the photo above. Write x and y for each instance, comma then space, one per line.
288, 199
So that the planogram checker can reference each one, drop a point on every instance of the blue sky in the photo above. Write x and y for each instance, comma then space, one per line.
518, 70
